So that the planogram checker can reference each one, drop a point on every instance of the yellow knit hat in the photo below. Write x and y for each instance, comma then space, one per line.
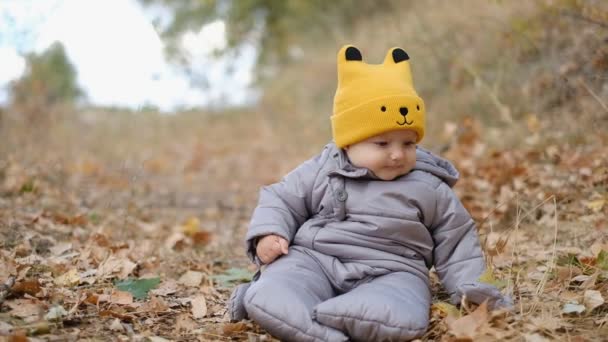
374, 98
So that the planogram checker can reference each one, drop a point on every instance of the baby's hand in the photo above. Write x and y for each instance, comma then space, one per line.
271, 247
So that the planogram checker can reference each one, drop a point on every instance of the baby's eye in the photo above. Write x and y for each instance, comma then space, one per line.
409, 143
381, 143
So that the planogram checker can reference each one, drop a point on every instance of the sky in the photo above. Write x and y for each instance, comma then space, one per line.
118, 55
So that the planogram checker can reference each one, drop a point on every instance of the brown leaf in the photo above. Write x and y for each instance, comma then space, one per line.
165, 288
110, 313
184, 323
27, 309
467, 326
201, 238
121, 267
92, 299
191, 279
68, 279
199, 307
30, 287
233, 328
121, 297
155, 304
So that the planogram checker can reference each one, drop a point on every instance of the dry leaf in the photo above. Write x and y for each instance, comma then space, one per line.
110, 313
534, 337
184, 323
165, 288
446, 309
116, 325
191, 279
234, 328
570, 308
30, 287
592, 299
68, 279
155, 304
26, 309
191, 226
199, 307
5, 328
466, 327
121, 297
176, 241
121, 267
596, 205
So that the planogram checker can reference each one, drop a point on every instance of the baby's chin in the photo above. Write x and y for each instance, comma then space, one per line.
388, 175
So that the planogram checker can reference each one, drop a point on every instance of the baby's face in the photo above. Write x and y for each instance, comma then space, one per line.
388, 155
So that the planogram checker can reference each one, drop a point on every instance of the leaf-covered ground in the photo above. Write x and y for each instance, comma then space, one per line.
141, 237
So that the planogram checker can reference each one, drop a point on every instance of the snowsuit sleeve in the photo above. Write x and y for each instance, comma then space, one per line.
457, 255
283, 207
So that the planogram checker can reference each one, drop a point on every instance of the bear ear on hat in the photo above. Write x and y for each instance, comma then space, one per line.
396, 55
349, 53
352, 54
399, 55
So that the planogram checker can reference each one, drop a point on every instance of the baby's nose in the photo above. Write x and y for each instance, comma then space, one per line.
403, 111
396, 154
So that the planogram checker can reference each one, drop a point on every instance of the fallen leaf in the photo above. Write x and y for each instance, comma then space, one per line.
199, 307
157, 339
139, 288
446, 309
234, 328
191, 226
68, 279
166, 288
116, 325
121, 297
112, 266
176, 241
592, 299
233, 276
26, 309
596, 205
602, 260
467, 326
536, 337
488, 278
30, 287
155, 304
61, 248
184, 323
110, 313
5, 328
201, 238
570, 308
56, 313
191, 279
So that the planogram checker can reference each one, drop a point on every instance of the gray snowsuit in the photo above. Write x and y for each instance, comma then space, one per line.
360, 251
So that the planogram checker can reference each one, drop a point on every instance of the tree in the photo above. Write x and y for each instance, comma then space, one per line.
273, 26
49, 79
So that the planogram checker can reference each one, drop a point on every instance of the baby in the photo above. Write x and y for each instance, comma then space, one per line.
349, 236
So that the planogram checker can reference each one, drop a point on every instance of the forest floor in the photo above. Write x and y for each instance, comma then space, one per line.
140, 236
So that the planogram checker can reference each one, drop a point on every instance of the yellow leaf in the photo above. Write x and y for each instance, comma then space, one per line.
596, 205
191, 226
533, 123
446, 309
488, 278
69, 279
